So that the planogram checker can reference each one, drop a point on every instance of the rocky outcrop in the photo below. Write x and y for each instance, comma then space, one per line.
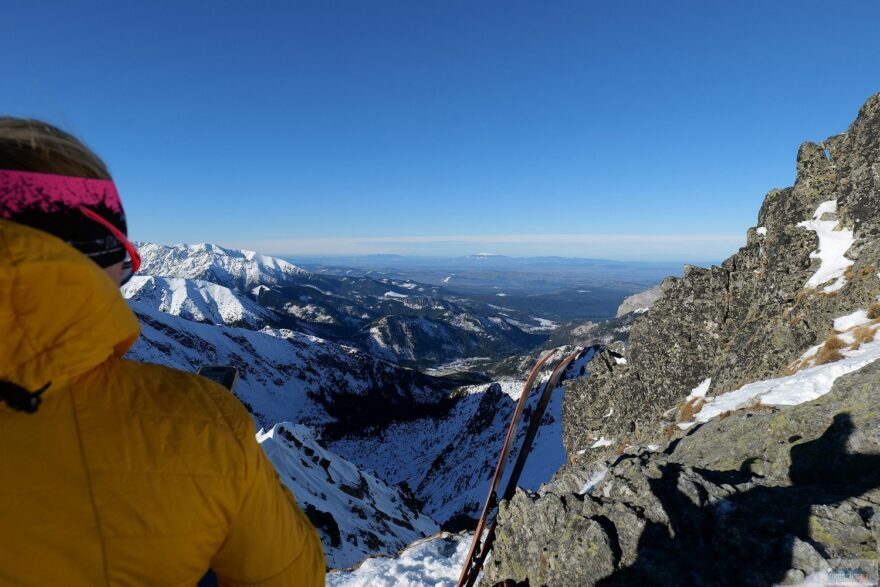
640, 302
751, 317
751, 499
755, 497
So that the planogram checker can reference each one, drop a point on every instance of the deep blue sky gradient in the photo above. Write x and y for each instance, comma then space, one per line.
274, 124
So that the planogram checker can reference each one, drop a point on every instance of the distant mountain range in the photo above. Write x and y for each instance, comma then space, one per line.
403, 321
409, 261
326, 369
482, 272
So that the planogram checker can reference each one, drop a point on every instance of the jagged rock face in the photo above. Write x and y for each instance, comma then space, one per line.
751, 317
751, 499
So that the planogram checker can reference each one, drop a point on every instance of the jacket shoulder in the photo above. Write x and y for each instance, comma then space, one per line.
208, 427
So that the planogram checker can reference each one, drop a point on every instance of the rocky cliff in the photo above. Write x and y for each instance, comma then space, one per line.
750, 318
759, 494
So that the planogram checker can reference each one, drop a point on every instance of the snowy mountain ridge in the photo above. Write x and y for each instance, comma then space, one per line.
236, 269
362, 484
369, 412
413, 324
286, 375
200, 301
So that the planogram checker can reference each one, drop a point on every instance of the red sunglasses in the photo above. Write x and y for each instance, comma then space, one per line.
132, 261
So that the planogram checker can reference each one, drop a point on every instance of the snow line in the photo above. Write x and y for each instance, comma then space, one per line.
805, 385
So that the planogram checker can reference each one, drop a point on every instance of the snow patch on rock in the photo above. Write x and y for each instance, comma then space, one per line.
701, 390
834, 242
602, 442
803, 386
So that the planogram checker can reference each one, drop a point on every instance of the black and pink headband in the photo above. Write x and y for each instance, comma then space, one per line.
87, 213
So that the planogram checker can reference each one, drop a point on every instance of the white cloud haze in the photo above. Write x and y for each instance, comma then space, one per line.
630, 247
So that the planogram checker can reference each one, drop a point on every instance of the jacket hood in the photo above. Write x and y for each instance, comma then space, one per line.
60, 314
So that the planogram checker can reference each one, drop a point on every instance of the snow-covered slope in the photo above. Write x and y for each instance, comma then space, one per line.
200, 301
405, 322
356, 513
291, 377
434, 562
285, 375
238, 270
457, 453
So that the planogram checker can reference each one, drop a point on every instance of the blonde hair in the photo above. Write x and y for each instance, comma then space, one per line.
27, 144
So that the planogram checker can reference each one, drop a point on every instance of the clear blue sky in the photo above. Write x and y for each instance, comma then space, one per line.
634, 129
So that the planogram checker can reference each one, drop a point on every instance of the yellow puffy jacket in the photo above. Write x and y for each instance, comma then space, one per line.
128, 474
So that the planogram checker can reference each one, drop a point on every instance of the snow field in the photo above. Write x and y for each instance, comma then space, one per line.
436, 562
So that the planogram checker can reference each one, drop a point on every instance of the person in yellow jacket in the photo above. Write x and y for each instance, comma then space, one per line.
114, 472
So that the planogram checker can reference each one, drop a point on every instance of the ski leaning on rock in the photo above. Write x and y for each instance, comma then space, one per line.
478, 552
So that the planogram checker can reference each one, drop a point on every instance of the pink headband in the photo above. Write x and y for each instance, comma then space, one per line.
48, 192
28, 191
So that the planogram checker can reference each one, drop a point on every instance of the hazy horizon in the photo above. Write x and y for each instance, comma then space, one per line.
436, 257
624, 248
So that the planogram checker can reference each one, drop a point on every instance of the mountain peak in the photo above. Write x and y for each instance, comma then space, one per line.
236, 269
